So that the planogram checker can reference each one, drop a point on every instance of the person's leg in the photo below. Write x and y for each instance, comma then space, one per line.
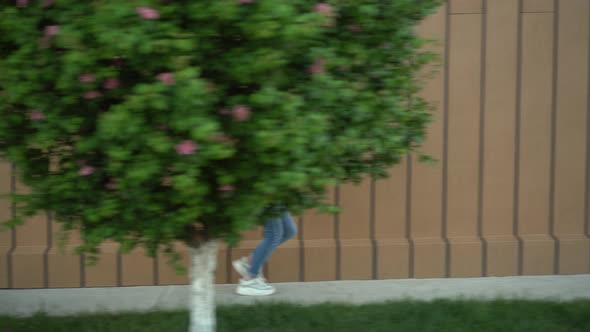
289, 229
289, 226
276, 231
273, 235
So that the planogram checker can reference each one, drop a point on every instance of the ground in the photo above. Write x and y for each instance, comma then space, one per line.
414, 316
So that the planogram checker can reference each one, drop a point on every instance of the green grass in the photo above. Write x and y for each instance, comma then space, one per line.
439, 316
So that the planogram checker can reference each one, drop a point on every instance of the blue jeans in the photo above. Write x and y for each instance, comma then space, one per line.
277, 230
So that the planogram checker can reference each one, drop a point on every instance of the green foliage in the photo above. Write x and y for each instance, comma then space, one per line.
130, 120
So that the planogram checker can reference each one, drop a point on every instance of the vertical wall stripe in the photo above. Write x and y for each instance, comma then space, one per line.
374, 249
46, 253
156, 274
554, 136
516, 228
409, 215
228, 256
13, 231
337, 234
301, 248
119, 269
482, 110
265, 266
83, 271
587, 200
228, 266
445, 170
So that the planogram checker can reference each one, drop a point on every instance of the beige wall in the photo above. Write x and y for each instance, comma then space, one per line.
510, 194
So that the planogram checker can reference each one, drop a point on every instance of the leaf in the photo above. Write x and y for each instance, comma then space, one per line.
428, 159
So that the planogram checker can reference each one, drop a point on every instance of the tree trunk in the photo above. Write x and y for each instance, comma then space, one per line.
203, 261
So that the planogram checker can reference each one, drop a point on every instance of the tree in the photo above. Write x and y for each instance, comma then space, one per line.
148, 122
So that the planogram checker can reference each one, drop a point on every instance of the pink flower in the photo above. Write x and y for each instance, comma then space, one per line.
36, 115
241, 113
318, 66
324, 9
92, 94
226, 188
186, 148
166, 78
354, 28
246, 1
87, 78
111, 83
86, 170
22, 3
148, 13
224, 111
51, 30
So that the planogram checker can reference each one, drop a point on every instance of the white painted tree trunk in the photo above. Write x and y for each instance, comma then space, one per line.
203, 261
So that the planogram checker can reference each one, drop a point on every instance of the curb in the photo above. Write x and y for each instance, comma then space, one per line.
70, 301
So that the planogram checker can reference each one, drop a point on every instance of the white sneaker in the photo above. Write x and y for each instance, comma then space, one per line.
242, 266
255, 287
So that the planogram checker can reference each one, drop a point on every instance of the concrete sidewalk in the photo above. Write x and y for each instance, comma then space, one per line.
83, 300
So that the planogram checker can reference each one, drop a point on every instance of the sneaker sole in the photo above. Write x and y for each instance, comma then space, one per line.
238, 267
246, 291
